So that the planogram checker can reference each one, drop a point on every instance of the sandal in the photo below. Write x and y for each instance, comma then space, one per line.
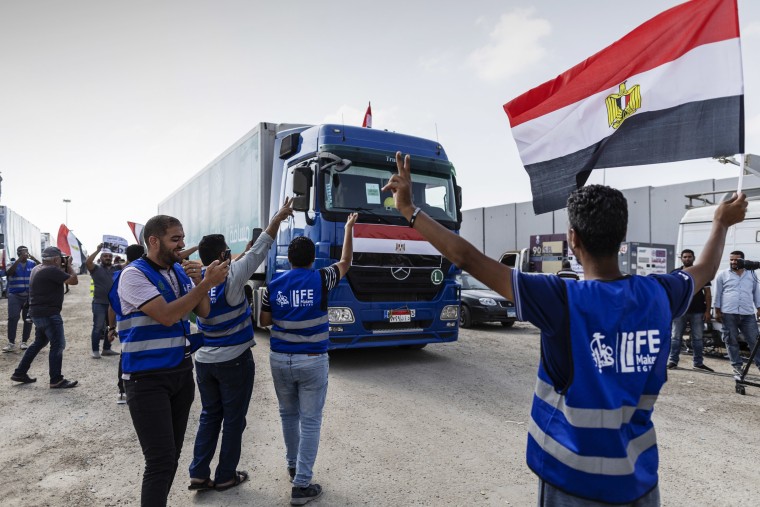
64, 384
240, 477
201, 486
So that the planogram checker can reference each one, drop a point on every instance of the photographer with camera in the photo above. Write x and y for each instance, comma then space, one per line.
737, 306
102, 278
46, 283
18, 297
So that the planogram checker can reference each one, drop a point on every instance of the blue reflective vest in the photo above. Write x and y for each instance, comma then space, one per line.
18, 283
146, 344
299, 313
225, 325
597, 440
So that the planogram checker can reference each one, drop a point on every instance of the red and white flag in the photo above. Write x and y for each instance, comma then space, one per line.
70, 245
670, 90
368, 117
392, 245
137, 231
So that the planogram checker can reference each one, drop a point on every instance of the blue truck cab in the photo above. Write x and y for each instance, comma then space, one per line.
399, 290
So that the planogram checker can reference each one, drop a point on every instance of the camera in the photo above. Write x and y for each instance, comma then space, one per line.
749, 265
65, 260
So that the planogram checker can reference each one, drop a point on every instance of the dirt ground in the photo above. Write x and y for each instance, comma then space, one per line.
442, 426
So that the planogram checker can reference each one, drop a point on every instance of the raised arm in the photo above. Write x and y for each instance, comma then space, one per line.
90, 262
728, 213
347, 254
458, 250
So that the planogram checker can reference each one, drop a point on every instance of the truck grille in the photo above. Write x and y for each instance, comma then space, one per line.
378, 284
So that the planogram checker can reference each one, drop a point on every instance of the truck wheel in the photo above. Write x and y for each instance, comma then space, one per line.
508, 323
465, 319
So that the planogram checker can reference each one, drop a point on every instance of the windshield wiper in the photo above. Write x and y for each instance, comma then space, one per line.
362, 210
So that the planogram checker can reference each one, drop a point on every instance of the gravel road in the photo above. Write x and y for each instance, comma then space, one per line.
441, 426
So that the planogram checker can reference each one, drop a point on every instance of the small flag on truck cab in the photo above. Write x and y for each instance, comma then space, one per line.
670, 90
368, 117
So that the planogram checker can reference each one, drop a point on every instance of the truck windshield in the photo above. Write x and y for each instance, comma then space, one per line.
359, 189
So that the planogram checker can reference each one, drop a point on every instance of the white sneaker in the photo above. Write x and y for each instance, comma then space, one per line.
95, 354
122, 399
11, 347
24, 345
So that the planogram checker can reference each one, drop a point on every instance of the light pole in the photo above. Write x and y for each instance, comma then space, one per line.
66, 202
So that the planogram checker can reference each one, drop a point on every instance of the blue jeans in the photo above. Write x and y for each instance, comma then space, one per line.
300, 381
47, 330
696, 321
99, 316
226, 390
16, 304
549, 496
748, 325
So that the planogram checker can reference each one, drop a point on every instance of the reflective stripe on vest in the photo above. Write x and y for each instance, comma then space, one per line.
225, 325
146, 344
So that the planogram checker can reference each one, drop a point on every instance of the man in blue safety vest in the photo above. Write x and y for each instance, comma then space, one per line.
18, 297
295, 305
224, 365
152, 299
604, 345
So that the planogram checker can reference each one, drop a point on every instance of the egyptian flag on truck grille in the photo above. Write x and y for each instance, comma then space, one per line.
392, 246
669, 90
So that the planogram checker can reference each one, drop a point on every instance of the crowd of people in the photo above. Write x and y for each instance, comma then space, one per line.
604, 352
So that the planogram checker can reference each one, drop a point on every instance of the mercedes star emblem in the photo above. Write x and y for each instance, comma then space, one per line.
401, 273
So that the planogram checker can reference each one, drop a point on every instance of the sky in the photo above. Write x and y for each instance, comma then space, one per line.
113, 105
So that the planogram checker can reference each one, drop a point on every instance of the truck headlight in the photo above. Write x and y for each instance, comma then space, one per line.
487, 302
340, 315
450, 312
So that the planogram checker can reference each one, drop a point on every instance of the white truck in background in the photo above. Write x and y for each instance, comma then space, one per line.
15, 231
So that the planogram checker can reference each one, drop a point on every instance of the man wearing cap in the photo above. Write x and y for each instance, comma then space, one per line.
18, 296
46, 283
102, 278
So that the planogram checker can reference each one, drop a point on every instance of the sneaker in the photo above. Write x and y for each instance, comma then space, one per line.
302, 496
109, 352
24, 345
24, 379
292, 473
702, 367
122, 399
95, 354
11, 347
672, 365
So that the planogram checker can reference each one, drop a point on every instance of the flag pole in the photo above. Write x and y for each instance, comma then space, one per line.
741, 174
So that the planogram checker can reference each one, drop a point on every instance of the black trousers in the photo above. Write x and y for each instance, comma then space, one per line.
160, 405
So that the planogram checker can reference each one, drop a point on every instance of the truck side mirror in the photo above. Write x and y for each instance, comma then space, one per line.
458, 199
302, 181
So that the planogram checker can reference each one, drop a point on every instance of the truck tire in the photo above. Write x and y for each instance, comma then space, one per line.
465, 319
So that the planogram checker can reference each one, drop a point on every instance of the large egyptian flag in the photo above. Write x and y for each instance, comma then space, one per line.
670, 90
392, 246
71, 246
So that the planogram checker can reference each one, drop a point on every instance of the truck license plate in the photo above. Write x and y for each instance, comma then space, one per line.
399, 315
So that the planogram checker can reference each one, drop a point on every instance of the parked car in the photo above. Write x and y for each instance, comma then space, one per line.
481, 304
